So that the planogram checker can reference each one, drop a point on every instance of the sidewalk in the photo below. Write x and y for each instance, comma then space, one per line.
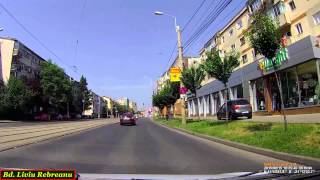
299, 118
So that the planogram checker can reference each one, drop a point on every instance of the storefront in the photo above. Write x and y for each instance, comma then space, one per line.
299, 71
298, 87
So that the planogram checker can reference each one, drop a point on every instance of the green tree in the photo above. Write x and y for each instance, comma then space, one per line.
167, 96
56, 87
265, 38
15, 99
76, 98
221, 68
192, 78
85, 93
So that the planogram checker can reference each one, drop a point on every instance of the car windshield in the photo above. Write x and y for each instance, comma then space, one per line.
154, 88
241, 102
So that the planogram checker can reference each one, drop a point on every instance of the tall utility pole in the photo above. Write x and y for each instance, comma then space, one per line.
99, 106
180, 58
180, 62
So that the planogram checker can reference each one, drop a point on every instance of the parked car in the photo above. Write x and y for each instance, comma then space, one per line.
236, 108
127, 118
42, 117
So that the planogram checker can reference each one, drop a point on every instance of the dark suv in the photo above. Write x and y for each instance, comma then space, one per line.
236, 108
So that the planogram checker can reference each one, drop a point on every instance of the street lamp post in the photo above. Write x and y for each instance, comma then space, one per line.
180, 58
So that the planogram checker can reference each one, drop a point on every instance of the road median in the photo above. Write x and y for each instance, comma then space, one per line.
19, 136
198, 129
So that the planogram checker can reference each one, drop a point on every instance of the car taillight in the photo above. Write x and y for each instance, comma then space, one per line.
234, 107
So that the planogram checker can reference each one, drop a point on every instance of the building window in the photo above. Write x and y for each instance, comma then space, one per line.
308, 80
299, 28
254, 54
276, 10
244, 59
292, 5
231, 32
242, 41
260, 100
239, 24
222, 39
233, 46
316, 18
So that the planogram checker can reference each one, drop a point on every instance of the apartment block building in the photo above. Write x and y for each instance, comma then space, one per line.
109, 102
18, 60
299, 22
124, 101
133, 106
96, 107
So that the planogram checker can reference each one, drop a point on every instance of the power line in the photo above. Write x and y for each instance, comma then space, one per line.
226, 17
32, 35
202, 15
184, 27
194, 14
77, 33
205, 26
212, 16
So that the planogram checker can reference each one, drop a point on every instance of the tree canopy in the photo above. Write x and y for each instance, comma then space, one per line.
166, 96
15, 99
221, 68
84, 92
55, 85
192, 78
264, 35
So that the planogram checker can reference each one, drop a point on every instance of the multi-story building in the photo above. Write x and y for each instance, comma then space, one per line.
18, 60
96, 107
299, 22
109, 102
133, 106
124, 101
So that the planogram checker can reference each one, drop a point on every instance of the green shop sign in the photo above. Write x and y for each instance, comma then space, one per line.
281, 56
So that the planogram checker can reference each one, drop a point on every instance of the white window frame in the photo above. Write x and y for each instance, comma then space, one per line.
299, 28
239, 24
316, 18
276, 10
244, 41
290, 5
242, 58
230, 32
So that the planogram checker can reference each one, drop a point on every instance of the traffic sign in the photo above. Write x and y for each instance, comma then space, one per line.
175, 74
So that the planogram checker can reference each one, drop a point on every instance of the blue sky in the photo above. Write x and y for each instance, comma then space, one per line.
122, 47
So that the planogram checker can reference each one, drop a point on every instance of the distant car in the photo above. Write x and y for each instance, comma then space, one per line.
128, 118
42, 117
236, 108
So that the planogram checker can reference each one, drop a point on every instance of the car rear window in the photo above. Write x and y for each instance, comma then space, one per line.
128, 114
241, 102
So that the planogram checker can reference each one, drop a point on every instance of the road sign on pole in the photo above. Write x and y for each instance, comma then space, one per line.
175, 74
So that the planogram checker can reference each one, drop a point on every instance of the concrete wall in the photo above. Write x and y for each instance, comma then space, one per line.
6, 59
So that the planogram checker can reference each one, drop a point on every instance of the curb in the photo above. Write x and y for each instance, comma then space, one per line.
314, 162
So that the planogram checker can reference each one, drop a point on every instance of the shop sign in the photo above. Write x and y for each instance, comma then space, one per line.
281, 56
183, 90
175, 74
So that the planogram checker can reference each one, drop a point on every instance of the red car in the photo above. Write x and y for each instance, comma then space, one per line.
127, 118
42, 117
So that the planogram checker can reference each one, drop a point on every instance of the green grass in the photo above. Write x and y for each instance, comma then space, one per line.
300, 139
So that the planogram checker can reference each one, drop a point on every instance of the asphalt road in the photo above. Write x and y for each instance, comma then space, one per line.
146, 148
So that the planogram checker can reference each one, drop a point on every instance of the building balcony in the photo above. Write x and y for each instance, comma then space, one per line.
284, 20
